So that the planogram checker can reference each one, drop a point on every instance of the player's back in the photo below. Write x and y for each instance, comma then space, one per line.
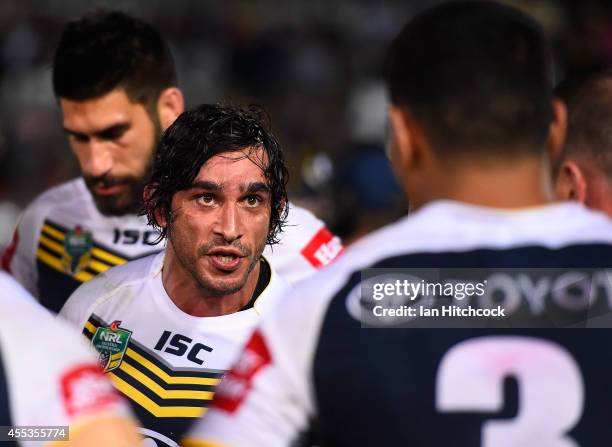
472, 386
464, 386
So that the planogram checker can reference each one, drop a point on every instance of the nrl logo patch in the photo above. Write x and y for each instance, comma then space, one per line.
111, 342
77, 250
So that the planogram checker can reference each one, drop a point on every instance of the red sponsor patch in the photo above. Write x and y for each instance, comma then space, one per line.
323, 248
237, 383
9, 252
86, 389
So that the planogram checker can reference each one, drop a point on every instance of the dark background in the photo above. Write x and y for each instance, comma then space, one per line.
315, 65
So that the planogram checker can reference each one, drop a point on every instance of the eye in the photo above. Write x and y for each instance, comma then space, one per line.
253, 200
114, 133
205, 199
80, 138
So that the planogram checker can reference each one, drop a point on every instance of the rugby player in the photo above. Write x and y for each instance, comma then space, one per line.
167, 326
472, 110
116, 84
51, 380
584, 168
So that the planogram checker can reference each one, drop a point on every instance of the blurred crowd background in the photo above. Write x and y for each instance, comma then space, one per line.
315, 65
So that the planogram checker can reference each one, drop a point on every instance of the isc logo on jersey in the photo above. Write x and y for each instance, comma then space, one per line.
111, 342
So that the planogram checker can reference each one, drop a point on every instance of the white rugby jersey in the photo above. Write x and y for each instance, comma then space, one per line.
63, 240
48, 377
165, 361
312, 369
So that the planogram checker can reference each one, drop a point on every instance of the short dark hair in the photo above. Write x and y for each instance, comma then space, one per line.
476, 76
199, 134
109, 49
589, 126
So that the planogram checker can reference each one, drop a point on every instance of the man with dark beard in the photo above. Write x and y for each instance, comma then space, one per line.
167, 326
116, 84
115, 81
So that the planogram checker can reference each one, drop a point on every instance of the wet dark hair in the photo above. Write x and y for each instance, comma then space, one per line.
477, 77
109, 49
199, 134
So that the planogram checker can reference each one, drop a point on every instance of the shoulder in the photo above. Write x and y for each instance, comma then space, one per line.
319, 288
581, 225
128, 274
27, 320
305, 245
455, 228
110, 285
302, 217
301, 227
70, 383
69, 194
297, 316
14, 297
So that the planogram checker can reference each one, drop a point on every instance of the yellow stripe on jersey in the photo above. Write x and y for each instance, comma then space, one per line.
150, 385
167, 378
95, 251
46, 228
52, 245
56, 264
152, 407
98, 266
108, 257
164, 394
114, 363
193, 442
90, 327
115, 359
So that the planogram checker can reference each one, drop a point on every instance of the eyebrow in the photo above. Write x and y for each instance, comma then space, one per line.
208, 185
257, 187
106, 133
252, 188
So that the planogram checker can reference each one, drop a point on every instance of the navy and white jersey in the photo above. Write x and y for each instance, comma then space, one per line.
62, 240
312, 373
48, 376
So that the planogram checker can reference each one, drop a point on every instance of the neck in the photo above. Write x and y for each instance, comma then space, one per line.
519, 183
187, 294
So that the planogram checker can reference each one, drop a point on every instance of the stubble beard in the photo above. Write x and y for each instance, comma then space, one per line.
208, 286
131, 201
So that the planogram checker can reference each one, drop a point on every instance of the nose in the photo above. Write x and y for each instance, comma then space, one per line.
228, 224
97, 159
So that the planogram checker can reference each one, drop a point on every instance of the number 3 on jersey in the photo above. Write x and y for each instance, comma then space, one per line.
551, 390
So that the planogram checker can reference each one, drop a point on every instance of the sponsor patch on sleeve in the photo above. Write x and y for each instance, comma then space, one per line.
86, 389
237, 383
322, 249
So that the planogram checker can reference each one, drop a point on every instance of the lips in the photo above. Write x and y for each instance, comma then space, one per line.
227, 260
111, 190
